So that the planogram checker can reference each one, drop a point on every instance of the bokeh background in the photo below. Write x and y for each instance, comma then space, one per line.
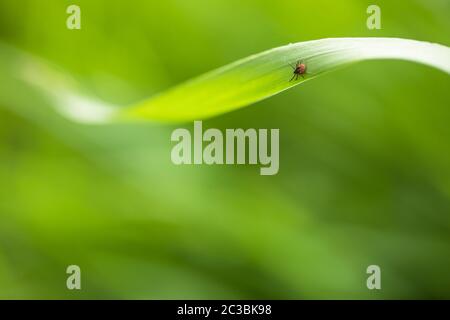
364, 159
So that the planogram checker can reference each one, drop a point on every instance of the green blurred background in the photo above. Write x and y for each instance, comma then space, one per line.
364, 159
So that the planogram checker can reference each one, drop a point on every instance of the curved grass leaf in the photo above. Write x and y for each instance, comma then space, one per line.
263, 75
240, 83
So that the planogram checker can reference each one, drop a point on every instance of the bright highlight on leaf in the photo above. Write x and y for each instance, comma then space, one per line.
235, 85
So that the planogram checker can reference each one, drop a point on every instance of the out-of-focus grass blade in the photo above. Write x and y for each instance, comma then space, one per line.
240, 83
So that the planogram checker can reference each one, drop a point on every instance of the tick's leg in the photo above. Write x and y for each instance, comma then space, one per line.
292, 66
292, 77
303, 76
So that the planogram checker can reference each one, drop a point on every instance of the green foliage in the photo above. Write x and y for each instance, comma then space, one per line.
364, 153
265, 74
233, 86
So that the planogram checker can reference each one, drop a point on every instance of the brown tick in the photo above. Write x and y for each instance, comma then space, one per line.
299, 70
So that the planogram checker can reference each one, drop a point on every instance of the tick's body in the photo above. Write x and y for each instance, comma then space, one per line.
299, 70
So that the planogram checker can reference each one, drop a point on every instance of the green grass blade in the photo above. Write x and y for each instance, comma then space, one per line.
238, 84
263, 75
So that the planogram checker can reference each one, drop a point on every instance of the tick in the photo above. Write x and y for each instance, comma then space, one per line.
299, 70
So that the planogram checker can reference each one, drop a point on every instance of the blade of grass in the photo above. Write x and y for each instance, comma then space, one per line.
263, 75
243, 82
